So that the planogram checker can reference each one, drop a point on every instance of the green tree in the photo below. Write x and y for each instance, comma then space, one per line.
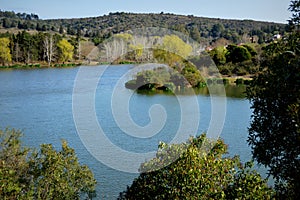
274, 133
195, 34
190, 171
43, 174
15, 181
58, 174
192, 75
237, 54
66, 50
218, 54
5, 55
216, 30
251, 49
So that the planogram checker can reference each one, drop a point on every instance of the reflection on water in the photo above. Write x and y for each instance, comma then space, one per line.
233, 91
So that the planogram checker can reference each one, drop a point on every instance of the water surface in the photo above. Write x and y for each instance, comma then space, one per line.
39, 102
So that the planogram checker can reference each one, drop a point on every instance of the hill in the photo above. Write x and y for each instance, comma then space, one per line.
99, 28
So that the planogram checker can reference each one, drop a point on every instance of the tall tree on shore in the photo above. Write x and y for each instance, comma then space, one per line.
49, 48
66, 50
5, 56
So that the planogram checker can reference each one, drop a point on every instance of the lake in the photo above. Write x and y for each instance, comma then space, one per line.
53, 104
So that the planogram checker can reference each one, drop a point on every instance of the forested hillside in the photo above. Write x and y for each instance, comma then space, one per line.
99, 28
26, 39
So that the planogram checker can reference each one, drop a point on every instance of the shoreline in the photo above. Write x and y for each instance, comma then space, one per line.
231, 79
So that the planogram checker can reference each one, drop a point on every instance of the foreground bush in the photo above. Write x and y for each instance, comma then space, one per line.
43, 174
200, 172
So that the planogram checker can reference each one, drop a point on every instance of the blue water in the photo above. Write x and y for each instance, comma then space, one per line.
40, 103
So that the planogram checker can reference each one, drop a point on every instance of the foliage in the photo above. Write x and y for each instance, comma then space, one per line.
248, 184
167, 78
174, 44
250, 49
180, 72
5, 55
218, 54
172, 50
46, 174
237, 54
66, 50
196, 170
158, 76
124, 36
192, 75
238, 60
27, 48
295, 9
275, 127
15, 180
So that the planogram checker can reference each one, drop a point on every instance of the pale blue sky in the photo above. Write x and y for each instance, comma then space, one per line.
263, 10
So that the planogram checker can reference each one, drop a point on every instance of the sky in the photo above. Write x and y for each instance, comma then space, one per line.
262, 10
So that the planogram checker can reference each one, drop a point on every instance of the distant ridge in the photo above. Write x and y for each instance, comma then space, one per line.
102, 27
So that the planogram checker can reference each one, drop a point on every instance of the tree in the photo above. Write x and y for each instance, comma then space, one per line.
14, 168
26, 47
5, 55
217, 30
66, 50
218, 54
43, 174
200, 172
192, 74
117, 46
49, 48
176, 45
250, 49
274, 133
295, 9
237, 54
172, 51
195, 34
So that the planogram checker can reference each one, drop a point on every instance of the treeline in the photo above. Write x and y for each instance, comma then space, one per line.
100, 28
13, 15
48, 48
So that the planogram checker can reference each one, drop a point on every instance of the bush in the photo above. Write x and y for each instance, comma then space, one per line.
43, 174
197, 169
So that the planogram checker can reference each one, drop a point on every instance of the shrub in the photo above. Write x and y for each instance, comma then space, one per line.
196, 169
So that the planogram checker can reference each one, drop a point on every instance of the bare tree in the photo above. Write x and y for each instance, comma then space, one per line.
49, 48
